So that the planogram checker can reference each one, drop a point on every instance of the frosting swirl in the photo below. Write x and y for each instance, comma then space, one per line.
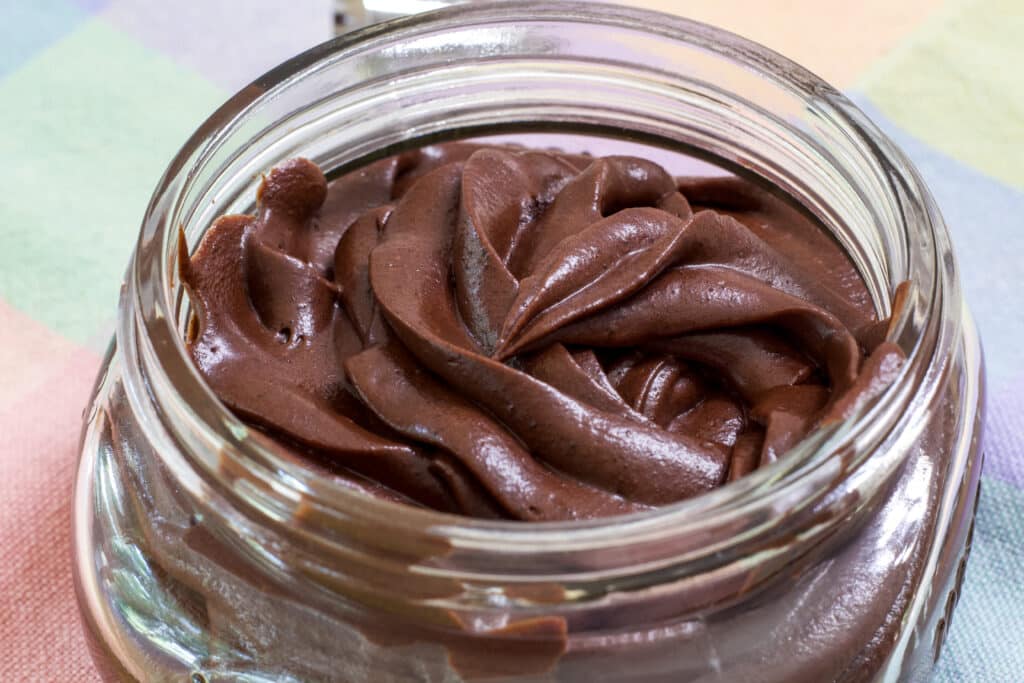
506, 332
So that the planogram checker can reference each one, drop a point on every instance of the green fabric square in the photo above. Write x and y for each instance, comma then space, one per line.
92, 123
957, 86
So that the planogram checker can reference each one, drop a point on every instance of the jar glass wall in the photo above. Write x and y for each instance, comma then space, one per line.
202, 549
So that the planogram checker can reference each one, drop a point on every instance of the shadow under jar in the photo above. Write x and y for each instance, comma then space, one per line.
205, 554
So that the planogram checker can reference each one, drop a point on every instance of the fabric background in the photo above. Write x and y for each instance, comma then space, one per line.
97, 95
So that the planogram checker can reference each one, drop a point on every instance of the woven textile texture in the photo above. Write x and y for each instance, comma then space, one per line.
97, 95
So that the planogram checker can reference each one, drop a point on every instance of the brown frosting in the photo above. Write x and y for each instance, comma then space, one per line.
513, 333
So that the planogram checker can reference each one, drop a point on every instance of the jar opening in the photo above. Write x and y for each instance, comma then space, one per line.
529, 67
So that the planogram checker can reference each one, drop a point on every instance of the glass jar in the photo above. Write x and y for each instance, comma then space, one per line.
204, 553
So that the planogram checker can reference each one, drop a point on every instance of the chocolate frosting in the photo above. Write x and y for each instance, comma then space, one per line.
513, 333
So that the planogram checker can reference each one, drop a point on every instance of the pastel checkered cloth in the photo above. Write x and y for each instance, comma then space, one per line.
97, 95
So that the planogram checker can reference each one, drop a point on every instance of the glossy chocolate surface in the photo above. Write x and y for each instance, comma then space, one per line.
514, 333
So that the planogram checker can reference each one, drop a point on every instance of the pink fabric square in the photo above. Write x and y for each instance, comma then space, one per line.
47, 385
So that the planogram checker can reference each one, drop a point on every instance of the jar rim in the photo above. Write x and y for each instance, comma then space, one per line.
148, 322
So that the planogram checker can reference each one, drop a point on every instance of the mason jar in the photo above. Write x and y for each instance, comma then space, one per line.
204, 552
